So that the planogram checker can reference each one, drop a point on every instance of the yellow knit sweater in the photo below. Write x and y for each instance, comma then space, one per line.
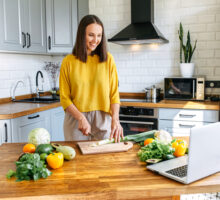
89, 86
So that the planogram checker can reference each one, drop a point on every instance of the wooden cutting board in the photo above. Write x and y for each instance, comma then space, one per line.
88, 148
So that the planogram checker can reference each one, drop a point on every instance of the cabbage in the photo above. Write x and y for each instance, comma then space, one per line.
163, 136
39, 136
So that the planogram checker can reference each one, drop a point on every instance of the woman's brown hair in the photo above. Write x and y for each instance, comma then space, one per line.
80, 49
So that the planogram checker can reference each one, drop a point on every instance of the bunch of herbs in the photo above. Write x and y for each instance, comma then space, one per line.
29, 167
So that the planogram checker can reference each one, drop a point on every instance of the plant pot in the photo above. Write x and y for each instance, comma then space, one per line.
187, 69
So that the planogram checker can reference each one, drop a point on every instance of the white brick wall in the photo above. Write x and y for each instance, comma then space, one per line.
145, 65
14, 67
138, 66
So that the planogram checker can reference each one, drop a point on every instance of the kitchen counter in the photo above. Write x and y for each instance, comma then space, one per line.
204, 105
102, 176
10, 110
17, 109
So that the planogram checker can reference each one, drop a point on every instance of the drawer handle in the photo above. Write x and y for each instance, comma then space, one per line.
136, 122
6, 132
187, 116
186, 126
36, 116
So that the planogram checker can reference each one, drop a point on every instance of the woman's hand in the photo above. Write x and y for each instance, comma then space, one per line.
84, 126
116, 130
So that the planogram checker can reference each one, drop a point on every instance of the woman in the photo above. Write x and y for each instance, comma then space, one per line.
89, 86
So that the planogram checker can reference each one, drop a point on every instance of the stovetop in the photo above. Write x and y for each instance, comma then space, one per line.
140, 100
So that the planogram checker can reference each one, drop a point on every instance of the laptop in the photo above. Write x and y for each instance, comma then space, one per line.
202, 160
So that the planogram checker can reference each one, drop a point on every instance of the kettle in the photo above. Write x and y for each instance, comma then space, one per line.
153, 93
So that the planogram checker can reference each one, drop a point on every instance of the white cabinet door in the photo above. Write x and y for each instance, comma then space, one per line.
23, 25
61, 17
57, 118
5, 131
11, 36
21, 126
35, 25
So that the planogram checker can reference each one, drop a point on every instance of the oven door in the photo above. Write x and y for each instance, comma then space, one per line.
133, 125
180, 88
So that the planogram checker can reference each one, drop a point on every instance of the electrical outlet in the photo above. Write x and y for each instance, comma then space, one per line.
212, 84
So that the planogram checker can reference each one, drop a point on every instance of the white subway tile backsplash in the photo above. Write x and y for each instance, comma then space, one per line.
206, 36
155, 63
138, 66
14, 67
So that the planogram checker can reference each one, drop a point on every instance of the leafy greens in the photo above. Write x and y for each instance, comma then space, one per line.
29, 167
156, 150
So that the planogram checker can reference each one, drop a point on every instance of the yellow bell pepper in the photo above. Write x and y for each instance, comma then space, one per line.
55, 160
180, 147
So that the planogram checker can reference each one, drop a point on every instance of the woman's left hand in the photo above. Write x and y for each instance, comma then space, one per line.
116, 130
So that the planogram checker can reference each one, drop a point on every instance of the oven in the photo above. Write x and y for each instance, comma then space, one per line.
138, 119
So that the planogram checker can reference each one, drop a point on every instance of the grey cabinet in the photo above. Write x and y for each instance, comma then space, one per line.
21, 126
61, 17
51, 119
10, 23
57, 118
178, 122
22, 25
5, 131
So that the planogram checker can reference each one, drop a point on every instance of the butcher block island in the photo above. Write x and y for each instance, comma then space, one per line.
101, 176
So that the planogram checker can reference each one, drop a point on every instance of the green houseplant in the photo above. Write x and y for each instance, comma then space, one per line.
186, 51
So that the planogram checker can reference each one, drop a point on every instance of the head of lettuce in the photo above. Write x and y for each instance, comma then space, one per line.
39, 136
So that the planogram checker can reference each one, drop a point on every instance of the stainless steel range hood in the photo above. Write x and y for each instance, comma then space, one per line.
142, 29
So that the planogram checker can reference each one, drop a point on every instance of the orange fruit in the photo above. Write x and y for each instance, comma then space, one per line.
148, 141
29, 148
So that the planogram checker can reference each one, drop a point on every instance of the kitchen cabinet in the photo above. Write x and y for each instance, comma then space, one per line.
22, 25
5, 131
21, 126
51, 119
57, 118
178, 122
61, 18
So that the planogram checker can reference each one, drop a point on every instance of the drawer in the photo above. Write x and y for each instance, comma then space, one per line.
32, 118
189, 115
179, 128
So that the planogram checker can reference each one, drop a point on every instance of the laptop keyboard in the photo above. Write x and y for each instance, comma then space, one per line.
179, 171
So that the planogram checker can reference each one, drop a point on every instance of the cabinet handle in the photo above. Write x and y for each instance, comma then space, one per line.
187, 116
49, 43
6, 132
29, 40
36, 116
186, 126
23, 39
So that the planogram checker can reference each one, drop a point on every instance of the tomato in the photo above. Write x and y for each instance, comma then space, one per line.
29, 148
180, 147
148, 141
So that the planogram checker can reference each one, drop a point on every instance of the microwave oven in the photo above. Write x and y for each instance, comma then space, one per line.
184, 88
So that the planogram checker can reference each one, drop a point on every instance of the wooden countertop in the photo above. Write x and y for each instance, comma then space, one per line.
10, 110
17, 109
204, 105
102, 176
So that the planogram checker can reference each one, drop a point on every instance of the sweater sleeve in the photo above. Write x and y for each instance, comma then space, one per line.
64, 84
114, 92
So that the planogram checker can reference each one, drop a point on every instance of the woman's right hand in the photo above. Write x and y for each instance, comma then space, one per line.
84, 126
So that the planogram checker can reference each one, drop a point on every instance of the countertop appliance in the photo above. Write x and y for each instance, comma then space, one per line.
137, 119
180, 88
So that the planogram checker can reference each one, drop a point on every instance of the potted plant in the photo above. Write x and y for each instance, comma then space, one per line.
186, 50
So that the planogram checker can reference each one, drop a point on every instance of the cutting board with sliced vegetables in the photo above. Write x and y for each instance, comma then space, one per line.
91, 147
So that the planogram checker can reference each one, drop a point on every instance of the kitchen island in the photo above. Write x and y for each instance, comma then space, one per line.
102, 176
